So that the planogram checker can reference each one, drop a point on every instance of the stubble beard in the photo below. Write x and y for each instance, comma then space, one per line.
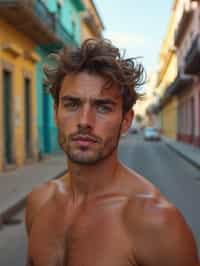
83, 156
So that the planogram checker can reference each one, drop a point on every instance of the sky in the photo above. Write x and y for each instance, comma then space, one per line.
138, 26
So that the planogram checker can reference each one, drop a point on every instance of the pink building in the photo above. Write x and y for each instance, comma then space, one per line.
187, 85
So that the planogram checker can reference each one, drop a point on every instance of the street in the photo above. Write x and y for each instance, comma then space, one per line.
177, 179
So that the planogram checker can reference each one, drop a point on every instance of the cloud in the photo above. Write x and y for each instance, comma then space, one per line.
126, 39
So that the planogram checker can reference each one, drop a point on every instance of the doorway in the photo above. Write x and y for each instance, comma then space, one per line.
28, 117
8, 119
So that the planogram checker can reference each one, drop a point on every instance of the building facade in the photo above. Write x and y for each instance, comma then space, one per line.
179, 106
66, 21
167, 114
18, 116
29, 30
186, 86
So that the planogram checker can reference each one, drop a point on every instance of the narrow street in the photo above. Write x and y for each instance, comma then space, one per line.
177, 180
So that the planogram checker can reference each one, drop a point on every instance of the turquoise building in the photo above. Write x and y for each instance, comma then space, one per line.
63, 24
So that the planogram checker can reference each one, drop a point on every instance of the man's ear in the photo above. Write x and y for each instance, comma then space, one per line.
127, 121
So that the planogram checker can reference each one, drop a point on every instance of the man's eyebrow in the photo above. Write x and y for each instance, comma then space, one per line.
69, 98
104, 101
95, 100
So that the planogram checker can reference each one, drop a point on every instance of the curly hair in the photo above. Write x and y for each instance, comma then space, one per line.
102, 58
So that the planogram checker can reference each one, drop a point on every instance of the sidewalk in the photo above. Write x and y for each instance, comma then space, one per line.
188, 152
16, 184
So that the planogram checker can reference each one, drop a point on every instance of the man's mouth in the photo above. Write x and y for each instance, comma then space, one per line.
84, 140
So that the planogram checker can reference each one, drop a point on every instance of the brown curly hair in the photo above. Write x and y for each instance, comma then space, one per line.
102, 58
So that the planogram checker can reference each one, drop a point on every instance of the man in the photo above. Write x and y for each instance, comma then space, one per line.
101, 213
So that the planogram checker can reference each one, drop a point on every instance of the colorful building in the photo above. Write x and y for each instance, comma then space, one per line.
167, 115
18, 96
186, 84
179, 107
29, 30
66, 21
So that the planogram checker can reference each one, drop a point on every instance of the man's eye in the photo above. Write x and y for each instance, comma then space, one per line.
104, 109
71, 105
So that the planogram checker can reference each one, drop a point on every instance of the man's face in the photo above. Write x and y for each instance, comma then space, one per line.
89, 118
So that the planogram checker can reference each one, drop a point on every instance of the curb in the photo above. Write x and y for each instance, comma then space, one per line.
12, 210
19, 205
185, 157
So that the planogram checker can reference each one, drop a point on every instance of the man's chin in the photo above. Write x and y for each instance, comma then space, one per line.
83, 157
83, 161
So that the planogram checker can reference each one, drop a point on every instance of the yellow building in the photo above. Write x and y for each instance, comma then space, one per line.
18, 114
92, 25
166, 76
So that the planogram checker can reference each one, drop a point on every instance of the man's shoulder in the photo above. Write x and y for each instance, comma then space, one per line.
159, 230
36, 199
147, 207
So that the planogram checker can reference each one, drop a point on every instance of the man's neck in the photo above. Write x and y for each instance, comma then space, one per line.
92, 180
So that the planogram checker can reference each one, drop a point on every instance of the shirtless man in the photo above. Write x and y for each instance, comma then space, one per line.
101, 213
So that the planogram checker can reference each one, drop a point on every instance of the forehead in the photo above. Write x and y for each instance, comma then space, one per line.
89, 86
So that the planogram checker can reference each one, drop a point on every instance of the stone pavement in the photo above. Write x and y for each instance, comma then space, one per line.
16, 184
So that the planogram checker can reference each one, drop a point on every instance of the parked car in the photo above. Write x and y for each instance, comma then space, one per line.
151, 133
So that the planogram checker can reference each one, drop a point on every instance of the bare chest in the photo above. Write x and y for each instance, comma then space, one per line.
96, 238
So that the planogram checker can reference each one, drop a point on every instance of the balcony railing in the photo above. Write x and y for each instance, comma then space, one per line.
33, 18
192, 59
182, 26
65, 36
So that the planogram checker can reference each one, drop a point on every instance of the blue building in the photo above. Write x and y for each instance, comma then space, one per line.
62, 22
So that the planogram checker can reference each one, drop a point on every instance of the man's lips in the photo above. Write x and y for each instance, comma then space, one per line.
84, 140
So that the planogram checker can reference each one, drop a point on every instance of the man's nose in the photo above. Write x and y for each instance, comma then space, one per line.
87, 117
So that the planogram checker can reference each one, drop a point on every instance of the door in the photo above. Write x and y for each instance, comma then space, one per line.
8, 111
28, 118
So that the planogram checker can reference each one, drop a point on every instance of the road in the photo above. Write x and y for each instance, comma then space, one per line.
177, 179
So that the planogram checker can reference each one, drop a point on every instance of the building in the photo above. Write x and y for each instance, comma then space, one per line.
179, 106
63, 21
29, 30
92, 25
18, 97
186, 84
167, 109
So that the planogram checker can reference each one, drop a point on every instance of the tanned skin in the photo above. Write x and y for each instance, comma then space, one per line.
101, 213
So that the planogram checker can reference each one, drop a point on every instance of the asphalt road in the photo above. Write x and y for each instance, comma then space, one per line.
177, 179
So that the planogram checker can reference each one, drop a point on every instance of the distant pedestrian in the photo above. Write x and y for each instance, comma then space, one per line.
101, 213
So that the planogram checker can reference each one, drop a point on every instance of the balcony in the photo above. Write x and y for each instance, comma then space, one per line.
182, 26
30, 17
192, 59
89, 20
64, 36
181, 82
